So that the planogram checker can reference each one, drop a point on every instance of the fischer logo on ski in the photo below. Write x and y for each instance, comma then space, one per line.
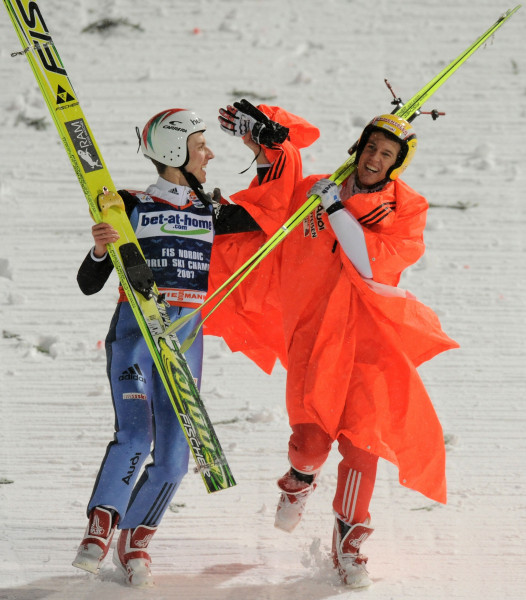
63, 96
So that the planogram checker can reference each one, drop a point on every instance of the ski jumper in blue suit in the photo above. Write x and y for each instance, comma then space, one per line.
175, 231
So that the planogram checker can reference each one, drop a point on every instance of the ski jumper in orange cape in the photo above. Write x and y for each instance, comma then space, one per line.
351, 346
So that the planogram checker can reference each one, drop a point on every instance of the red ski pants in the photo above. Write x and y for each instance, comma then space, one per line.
309, 447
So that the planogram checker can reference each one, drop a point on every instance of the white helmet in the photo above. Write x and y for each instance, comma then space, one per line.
165, 136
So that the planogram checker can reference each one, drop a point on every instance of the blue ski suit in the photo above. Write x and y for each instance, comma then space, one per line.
175, 231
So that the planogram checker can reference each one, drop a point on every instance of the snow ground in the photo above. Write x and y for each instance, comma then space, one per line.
327, 63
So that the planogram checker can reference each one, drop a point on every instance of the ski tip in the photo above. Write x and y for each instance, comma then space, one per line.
188, 342
509, 12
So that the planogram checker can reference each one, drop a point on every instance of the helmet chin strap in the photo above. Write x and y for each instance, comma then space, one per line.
191, 179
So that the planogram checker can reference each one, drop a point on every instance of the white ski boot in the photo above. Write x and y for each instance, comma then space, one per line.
292, 501
131, 556
346, 542
97, 539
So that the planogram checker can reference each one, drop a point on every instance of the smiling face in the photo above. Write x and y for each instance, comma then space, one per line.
378, 156
199, 155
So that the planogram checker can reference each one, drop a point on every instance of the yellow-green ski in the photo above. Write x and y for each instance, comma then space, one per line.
106, 206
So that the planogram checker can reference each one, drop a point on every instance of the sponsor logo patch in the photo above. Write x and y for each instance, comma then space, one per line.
78, 132
134, 396
133, 373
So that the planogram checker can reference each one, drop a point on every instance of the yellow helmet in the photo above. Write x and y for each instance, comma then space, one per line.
397, 129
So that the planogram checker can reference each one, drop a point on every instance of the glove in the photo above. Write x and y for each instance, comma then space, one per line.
235, 122
214, 200
214, 197
244, 117
329, 194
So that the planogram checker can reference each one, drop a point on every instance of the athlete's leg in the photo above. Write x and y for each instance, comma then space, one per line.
129, 371
161, 478
356, 479
130, 374
309, 447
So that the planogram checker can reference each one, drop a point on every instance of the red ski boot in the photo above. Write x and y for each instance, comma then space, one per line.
131, 556
97, 539
346, 542
293, 499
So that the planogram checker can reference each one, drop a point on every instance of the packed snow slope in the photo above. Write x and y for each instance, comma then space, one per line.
327, 62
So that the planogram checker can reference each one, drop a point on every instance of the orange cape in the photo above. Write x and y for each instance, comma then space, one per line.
351, 346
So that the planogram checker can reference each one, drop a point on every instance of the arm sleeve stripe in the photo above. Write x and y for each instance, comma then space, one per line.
276, 170
378, 214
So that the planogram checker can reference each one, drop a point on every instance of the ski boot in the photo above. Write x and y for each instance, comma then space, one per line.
97, 539
346, 542
296, 489
131, 556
